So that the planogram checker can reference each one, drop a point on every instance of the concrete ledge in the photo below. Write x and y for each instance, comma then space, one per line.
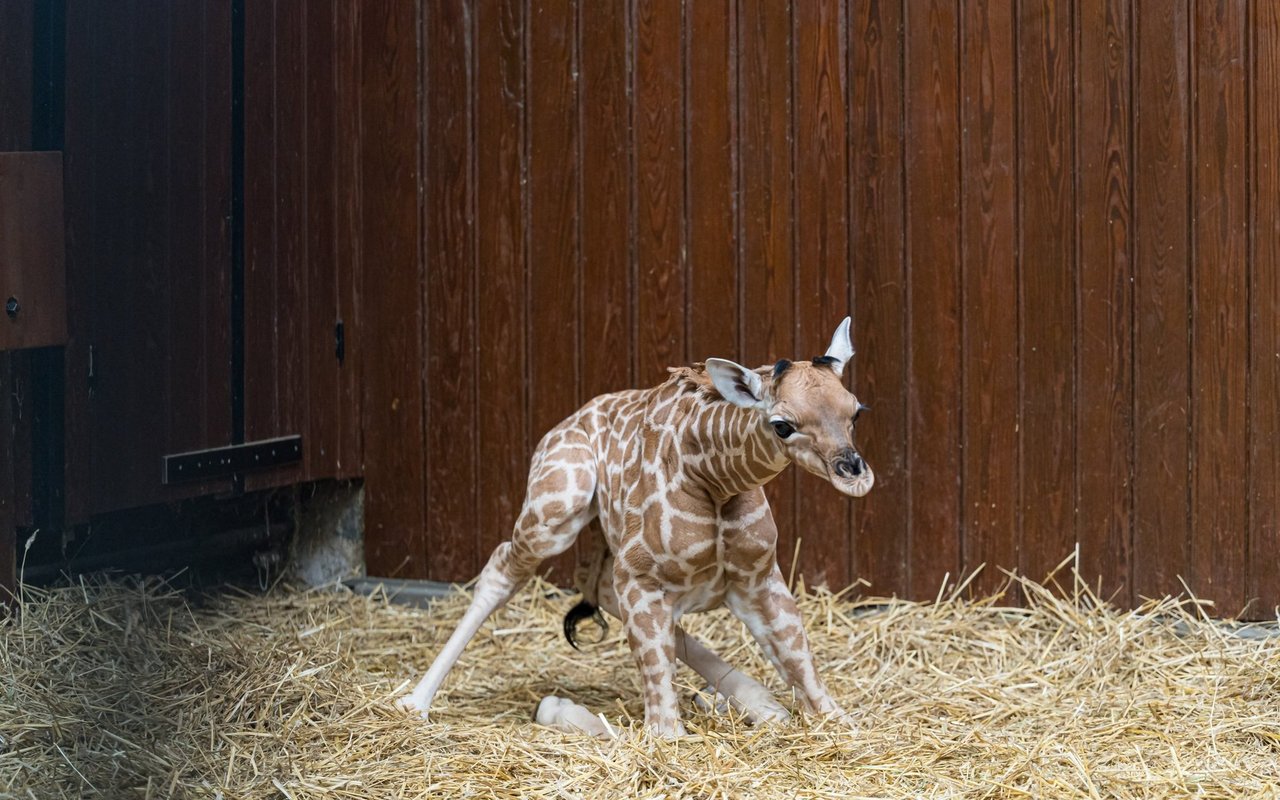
420, 593
402, 592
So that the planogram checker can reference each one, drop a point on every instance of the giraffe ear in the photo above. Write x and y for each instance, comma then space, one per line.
736, 383
841, 349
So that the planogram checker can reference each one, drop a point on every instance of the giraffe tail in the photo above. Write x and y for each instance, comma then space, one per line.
583, 610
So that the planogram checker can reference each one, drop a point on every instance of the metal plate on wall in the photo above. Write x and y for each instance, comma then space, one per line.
33, 299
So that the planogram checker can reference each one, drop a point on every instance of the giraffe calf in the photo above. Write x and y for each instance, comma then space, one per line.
669, 481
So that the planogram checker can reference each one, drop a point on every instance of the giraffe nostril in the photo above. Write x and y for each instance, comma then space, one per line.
849, 466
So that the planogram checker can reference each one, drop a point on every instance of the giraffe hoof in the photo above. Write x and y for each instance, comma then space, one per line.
758, 706
410, 704
711, 701
845, 720
568, 717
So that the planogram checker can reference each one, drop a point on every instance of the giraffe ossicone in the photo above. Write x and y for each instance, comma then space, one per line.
668, 484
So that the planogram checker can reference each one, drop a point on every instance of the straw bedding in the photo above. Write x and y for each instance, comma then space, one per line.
126, 688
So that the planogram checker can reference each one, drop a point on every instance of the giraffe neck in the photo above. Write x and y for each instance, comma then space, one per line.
730, 450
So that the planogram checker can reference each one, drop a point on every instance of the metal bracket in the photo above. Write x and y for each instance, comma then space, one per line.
224, 462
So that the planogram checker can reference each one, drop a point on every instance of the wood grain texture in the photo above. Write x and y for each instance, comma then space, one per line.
323, 416
1219, 316
16, 40
348, 219
131, 77
265, 31
1161, 351
146, 141
391, 241
79, 168
8, 499
32, 250
553, 223
820, 119
1055, 224
278, 263
1264, 360
606, 176
658, 120
18, 369
292, 374
876, 186
299, 140
1048, 286
198, 243
501, 322
989, 290
766, 223
710, 153
933, 213
1104, 320
450, 293
553, 207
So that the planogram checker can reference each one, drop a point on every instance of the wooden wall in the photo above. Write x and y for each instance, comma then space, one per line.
16, 62
147, 134
154, 365
1055, 225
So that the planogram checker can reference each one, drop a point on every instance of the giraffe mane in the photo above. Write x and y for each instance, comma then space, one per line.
695, 378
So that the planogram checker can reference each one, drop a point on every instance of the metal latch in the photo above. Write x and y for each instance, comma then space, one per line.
225, 462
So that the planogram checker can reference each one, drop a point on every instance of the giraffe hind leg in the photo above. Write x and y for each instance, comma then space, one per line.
559, 502
724, 682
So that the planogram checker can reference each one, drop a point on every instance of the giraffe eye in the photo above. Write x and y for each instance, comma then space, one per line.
858, 412
783, 429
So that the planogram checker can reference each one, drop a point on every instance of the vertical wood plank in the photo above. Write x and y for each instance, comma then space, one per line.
990, 295
79, 169
16, 40
1048, 286
606, 179
709, 176
8, 504
322, 415
293, 374
391, 241
18, 372
553, 207
501, 389
277, 375
1219, 317
450, 292
933, 257
197, 241
879, 298
658, 119
131, 214
822, 255
765, 255
1105, 316
347, 232
1264, 363
1161, 351
262, 225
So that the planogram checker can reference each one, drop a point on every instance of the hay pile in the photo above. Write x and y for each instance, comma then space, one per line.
126, 689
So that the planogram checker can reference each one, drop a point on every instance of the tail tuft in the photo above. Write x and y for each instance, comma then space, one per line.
583, 610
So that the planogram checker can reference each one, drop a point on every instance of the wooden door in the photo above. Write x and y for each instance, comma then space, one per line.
148, 142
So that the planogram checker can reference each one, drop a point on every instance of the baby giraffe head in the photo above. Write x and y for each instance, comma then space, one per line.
807, 410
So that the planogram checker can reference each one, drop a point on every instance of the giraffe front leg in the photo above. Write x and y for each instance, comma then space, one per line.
766, 607
648, 616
